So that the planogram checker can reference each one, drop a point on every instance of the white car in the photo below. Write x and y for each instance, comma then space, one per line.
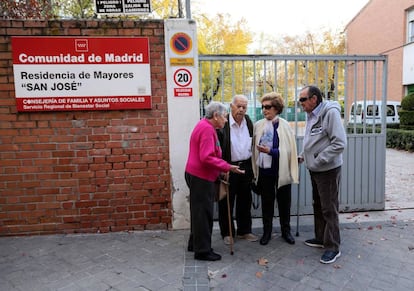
369, 112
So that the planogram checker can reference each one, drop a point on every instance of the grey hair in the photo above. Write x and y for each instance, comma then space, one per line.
235, 97
214, 107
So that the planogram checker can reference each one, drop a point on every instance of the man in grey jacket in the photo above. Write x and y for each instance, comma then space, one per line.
323, 144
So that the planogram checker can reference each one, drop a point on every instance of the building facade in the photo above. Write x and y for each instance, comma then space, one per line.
386, 28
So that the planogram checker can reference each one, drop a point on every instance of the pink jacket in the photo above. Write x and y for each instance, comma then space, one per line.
204, 158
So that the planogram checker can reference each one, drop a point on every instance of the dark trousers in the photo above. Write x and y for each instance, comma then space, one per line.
283, 195
240, 194
201, 212
325, 192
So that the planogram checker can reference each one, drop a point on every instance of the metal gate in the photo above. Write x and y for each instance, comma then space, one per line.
346, 79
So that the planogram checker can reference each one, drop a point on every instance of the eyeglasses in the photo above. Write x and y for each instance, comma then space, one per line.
267, 107
303, 99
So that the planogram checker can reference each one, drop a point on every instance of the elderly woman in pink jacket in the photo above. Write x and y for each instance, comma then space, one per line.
204, 165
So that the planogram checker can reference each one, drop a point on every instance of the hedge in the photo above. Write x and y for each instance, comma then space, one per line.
400, 139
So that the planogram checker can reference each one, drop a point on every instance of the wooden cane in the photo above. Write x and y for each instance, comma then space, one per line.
229, 216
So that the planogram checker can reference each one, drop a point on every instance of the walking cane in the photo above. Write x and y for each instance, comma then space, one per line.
229, 216
297, 204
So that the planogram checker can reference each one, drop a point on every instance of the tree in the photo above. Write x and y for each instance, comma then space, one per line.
327, 42
79, 9
220, 35
27, 9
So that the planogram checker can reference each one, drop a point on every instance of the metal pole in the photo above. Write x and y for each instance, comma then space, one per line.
187, 9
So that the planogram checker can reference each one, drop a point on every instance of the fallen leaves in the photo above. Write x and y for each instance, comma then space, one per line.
212, 274
262, 262
352, 215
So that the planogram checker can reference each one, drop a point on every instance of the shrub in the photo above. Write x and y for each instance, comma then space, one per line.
400, 139
407, 112
408, 102
406, 118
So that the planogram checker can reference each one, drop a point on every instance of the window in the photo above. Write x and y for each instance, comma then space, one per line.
358, 109
372, 110
410, 27
390, 110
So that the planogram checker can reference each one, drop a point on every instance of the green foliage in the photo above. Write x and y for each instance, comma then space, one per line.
400, 139
360, 129
408, 102
407, 112
406, 117
79, 9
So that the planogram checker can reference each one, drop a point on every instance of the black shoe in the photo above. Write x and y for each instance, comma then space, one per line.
314, 243
288, 238
210, 256
265, 238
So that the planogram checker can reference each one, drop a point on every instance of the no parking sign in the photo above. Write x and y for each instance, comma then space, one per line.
181, 59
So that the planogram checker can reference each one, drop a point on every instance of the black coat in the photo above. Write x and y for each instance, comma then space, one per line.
224, 137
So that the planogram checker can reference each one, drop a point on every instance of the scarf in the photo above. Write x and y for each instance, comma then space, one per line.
265, 160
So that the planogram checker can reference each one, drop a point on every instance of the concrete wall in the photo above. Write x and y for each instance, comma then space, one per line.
84, 171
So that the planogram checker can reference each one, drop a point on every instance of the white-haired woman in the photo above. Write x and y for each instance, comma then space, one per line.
204, 165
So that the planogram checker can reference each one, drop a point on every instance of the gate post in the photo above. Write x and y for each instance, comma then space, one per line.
181, 58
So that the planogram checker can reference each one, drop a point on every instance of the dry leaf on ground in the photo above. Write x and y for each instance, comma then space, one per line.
262, 261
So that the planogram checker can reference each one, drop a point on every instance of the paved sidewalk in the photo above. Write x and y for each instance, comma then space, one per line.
377, 254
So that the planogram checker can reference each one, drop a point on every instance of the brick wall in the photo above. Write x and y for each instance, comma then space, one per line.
380, 28
84, 171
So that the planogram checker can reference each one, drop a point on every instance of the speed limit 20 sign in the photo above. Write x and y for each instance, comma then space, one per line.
183, 79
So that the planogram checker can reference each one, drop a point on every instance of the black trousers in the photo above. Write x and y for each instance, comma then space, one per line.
201, 212
283, 195
241, 197
325, 192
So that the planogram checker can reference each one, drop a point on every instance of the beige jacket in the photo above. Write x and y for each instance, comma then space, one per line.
288, 159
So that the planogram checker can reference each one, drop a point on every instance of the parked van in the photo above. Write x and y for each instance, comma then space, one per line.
373, 111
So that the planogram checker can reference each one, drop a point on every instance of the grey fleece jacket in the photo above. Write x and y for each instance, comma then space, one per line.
324, 144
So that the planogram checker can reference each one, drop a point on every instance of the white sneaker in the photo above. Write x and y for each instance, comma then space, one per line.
227, 240
249, 237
